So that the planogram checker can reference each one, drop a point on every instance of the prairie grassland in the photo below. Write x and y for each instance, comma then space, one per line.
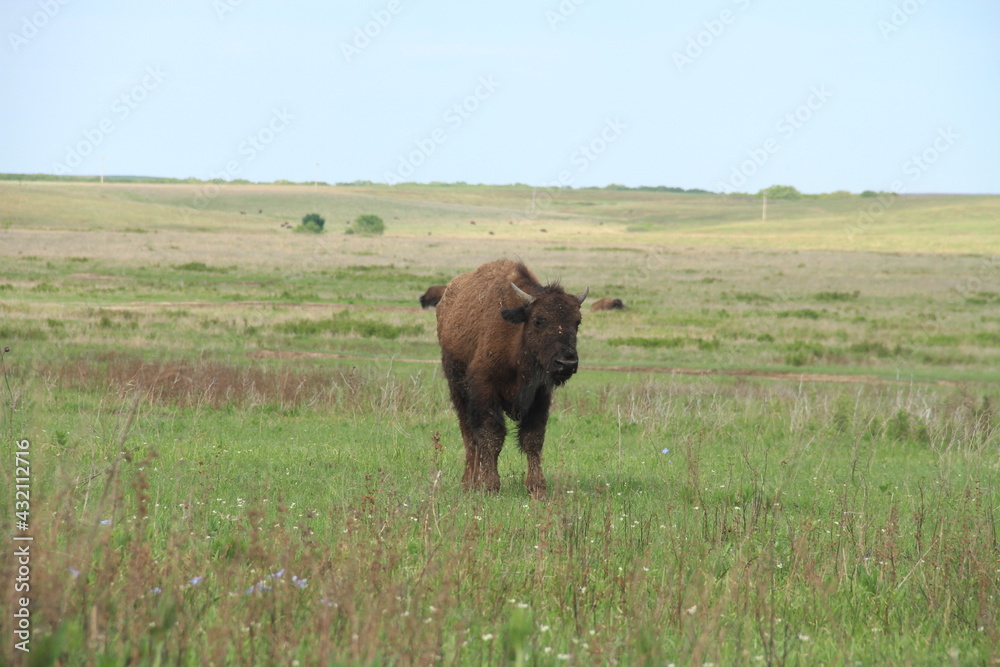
243, 451
914, 224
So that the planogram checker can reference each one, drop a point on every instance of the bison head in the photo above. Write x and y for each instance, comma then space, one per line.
551, 319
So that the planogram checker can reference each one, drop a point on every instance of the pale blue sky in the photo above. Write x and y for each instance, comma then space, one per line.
858, 94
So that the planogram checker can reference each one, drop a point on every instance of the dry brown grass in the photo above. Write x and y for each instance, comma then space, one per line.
207, 383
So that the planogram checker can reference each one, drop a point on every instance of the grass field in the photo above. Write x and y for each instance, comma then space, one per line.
784, 451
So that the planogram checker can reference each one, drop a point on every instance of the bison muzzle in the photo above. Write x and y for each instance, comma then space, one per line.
506, 342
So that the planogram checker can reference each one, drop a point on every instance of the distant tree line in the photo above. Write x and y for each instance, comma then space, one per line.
147, 179
656, 188
773, 192
790, 192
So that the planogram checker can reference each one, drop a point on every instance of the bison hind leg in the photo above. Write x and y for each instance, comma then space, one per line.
482, 452
482, 433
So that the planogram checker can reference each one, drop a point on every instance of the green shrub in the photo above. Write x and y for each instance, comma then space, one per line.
837, 296
27, 333
987, 338
904, 427
648, 343
201, 266
983, 298
367, 225
805, 313
780, 192
711, 344
801, 353
876, 349
752, 297
343, 325
311, 222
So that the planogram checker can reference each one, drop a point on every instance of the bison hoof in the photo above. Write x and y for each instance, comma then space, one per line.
537, 489
491, 489
482, 483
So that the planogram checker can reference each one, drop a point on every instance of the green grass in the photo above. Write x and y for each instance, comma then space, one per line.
343, 325
815, 526
778, 454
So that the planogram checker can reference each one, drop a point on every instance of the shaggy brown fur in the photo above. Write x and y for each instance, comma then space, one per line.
432, 296
504, 353
607, 303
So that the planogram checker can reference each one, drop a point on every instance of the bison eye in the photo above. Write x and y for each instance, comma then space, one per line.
538, 322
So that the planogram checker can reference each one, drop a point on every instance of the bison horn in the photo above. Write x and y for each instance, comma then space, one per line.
583, 296
525, 297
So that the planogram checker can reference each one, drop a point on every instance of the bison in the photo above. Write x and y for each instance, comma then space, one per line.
607, 303
432, 296
506, 343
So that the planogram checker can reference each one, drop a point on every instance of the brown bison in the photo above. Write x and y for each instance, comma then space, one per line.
432, 296
506, 343
607, 303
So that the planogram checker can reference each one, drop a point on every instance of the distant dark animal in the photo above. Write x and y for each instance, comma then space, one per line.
243, 212
432, 296
607, 303
506, 342
260, 210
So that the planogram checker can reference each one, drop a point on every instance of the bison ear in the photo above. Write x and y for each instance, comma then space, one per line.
583, 296
514, 315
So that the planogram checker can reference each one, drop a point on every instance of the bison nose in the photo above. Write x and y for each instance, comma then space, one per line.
566, 363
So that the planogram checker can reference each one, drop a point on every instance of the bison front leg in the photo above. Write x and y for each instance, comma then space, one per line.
531, 436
